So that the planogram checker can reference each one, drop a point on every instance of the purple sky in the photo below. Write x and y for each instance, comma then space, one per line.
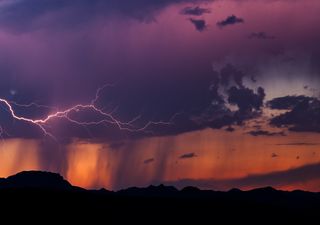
185, 66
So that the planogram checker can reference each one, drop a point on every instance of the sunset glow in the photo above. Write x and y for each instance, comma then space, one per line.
214, 94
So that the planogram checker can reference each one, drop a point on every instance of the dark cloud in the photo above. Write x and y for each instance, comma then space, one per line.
200, 25
288, 102
191, 102
11, 128
275, 179
217, 115
185, 105
211, 111
231, 20
229, 75
274, 155
246, 99
249, 102
195, 11
188, 156
303, 116
23, 15
265, 133
185, 102
261, 36
199, 102
156, 86
147, 161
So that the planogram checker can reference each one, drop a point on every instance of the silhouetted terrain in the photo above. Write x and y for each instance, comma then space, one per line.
46, 197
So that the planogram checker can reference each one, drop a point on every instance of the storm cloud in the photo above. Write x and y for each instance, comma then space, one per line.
139, 84
162, 75
26, 15
303, 116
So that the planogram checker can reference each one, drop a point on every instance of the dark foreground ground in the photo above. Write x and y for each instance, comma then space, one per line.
33, 197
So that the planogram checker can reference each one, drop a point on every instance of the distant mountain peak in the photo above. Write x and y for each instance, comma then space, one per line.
35, 179
265, 189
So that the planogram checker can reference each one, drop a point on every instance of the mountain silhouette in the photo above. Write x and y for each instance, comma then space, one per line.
35, 179
44, 196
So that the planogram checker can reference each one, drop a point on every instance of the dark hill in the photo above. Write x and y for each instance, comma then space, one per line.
46, 197
35, 179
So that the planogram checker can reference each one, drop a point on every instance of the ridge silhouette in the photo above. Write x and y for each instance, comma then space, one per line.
35, 179
36, 194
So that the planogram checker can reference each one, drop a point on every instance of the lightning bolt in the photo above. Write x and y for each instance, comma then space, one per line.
107, 117
32, 104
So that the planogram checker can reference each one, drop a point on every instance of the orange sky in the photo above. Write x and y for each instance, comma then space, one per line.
219, 155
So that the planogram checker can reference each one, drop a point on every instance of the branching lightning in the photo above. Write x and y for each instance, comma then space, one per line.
108, 118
